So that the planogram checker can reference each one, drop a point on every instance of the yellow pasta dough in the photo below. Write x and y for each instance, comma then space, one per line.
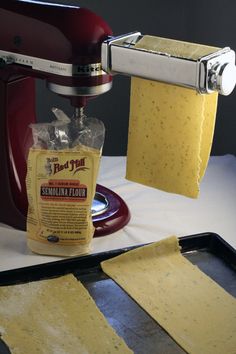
179, 49
190, 306
170, 130
55, 316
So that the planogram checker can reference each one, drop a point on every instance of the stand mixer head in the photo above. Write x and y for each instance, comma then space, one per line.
61, 44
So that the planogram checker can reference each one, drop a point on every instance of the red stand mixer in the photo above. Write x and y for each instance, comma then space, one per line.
74, 51
63, 46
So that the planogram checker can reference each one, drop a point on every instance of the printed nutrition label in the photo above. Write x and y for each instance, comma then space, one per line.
64, 217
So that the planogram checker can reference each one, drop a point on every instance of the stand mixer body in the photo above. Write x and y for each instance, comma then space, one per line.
62, 45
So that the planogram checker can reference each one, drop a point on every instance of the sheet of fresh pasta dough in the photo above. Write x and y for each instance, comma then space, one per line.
55, 316
197, 313
170, 128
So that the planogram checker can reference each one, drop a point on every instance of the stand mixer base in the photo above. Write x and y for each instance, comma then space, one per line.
109, 212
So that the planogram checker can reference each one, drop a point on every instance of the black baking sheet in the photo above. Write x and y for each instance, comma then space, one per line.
141, 333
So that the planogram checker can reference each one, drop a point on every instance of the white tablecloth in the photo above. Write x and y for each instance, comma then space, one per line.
154, 214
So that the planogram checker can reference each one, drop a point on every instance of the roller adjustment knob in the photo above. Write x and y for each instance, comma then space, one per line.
223, 78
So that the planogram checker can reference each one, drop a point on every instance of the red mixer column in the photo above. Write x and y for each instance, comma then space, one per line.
16, 113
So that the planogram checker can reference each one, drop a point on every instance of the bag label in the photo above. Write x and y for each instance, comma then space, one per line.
60, 187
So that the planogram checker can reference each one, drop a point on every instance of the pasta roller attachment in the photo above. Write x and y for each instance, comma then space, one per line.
203, 68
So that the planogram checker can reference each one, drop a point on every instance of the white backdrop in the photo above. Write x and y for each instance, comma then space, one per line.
154, 214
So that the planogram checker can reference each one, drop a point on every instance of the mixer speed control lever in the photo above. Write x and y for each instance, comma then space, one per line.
5, 61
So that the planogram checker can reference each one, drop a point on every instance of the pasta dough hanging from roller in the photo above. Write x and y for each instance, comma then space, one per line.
170, 131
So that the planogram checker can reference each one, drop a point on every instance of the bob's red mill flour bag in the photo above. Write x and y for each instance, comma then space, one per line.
61, 180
